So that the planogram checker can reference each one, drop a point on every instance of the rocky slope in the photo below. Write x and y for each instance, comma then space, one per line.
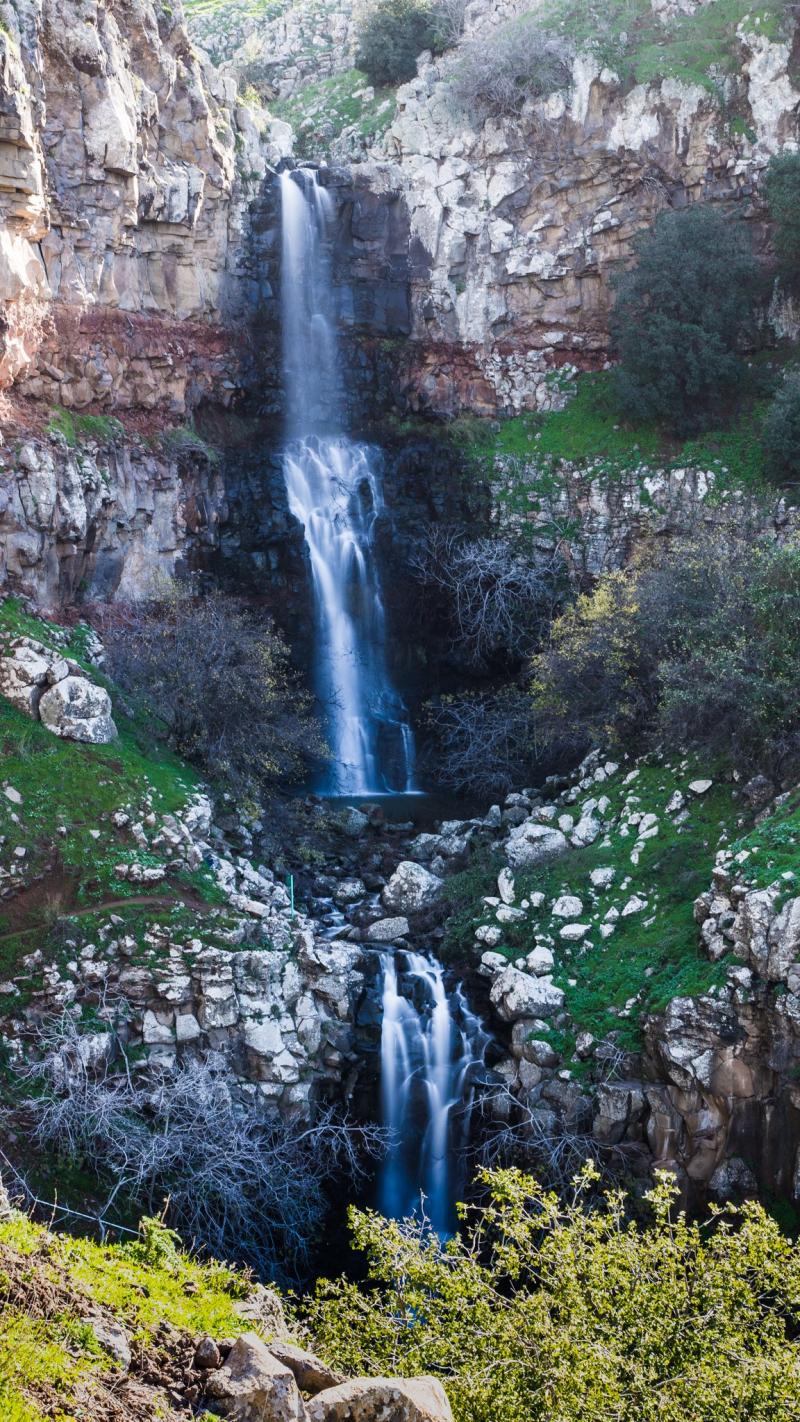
132, 1331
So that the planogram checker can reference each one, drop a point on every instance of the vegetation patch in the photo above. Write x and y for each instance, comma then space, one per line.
321, 111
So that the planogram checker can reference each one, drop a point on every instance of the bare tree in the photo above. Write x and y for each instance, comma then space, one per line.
241, 1181
449, 21
498, 593
524, 1136
486, 743
520, 63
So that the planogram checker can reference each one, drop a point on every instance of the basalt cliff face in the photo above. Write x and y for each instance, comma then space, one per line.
518, 224
126, 170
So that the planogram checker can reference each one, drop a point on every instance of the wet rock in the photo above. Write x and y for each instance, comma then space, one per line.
387, 930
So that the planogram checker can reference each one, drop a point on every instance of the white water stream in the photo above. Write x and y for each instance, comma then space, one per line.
334, 489
431, 1046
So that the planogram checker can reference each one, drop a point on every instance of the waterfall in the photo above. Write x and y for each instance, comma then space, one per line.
431, 1046
334, 489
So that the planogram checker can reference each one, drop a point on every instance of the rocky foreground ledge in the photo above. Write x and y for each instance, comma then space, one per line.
140, 1330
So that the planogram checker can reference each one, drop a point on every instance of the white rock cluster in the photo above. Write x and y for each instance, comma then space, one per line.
56, 691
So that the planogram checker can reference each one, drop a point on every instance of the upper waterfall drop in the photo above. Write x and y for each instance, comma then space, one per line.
333, 487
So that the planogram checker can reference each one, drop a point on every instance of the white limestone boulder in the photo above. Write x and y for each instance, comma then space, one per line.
533, 843
515, 994
26, 668
77, 710
382, 1400
411, 888
254, 1386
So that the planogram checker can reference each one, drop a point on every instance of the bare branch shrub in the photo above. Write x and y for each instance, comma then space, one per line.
216, 674
484, 743
448, 19
519, 62
498, 595
242, 1183
522, 1137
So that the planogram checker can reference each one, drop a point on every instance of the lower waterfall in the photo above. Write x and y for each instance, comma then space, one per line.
432, 1046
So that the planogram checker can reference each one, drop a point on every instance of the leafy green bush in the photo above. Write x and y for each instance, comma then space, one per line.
391, 36
540, 1311
700, 647
681, 313
780, 434
782, 191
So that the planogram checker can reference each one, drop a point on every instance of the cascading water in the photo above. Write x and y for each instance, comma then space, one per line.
334, 490
431, 1048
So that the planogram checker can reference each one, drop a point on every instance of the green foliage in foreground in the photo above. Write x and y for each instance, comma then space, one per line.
543, 1312
49, 1283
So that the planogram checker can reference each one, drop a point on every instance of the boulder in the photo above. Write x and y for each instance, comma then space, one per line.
311, 1374
567, 906
254, 1386
532, 843
77, 710
411, 888
387, 930
516, 994
26, 668
382, 1400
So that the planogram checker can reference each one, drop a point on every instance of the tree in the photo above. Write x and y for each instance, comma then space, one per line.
497, 595
540, 1309
782, 192
242, 1183
484, 744
698, 647
592, 682
681, 313
217, 676
780, 435
391, 35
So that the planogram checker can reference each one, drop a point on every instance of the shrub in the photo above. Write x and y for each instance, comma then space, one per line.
681, 312
591, 684
241, 1182
518, 64
483, 744
781, 433
496, 594
782, 191
391, 36
217, 676
700, 648
539, 1310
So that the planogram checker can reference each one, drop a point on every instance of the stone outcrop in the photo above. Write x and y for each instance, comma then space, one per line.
55, 691
122, 202
727, 1063
104, 519
474, 254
